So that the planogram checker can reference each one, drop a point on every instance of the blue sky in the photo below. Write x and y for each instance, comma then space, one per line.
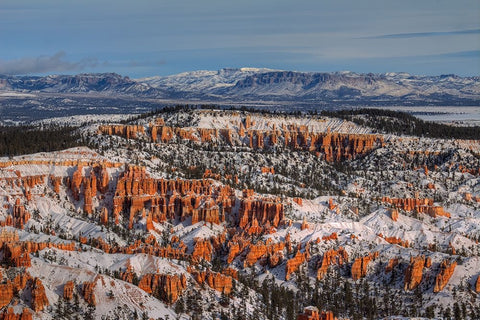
146, 38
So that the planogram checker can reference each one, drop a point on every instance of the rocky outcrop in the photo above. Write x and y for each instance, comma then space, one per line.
331, 257
359, 266
68, 290
477, 285
394, 214
414, 272
169, 199
9, 314
419, 205
446, 270
126, 131
202, 250
88, 292
39, 298
331, 146
312, 313
6, 294
166, 287
294, 263
259, 215
220, 282
392, 263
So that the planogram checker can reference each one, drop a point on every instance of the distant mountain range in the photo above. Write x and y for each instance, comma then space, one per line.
252, 84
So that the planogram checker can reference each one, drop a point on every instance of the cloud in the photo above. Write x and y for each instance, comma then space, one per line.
424, 34
44, 64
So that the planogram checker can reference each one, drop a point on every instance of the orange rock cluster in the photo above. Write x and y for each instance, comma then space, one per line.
414, 272
419, 205
331, 257
68, 290
9, 314
39, 298
19, 216
272, 252
359, 266
395, 240
392, 263
312, 313
294, 263
167, 287
202, 250
332, 146
127, 131
477, 285
220, 282
88, 292
260, 215
446, 270
168, 199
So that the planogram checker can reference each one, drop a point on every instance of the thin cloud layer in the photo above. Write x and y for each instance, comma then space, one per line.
424, 34
44, 64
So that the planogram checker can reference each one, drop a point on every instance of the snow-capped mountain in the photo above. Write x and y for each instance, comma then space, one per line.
254, 84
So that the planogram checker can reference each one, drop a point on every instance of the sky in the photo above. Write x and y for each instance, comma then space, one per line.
145, 38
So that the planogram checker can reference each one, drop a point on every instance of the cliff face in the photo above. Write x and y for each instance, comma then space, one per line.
6, 294
9, 314
330, 146
294, 263
39, 298
259, 215
331, 257
68, 290
202, 250
220, 282
88, 292
414, 204
166, 287
414, 272
359, 267
446, 270
169, 199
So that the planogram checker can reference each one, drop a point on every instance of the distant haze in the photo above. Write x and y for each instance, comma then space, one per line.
147, 38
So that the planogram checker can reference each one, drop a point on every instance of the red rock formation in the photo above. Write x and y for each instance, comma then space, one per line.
312, 313
477, 285
56, 183
263, 211
394, 214
76, 182
88, 292
294, 263
359, 267
414, 272
104, 216
39, 298
418, 205
304, 224
392, 263
127, 131
9, 314
446, 270
87, 193
167, 287
20, 215
331, 257
68, 290
102, 182
220, 282
202, 250
6, 294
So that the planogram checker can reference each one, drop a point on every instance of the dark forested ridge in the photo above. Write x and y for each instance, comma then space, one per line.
397, 122
16, 140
